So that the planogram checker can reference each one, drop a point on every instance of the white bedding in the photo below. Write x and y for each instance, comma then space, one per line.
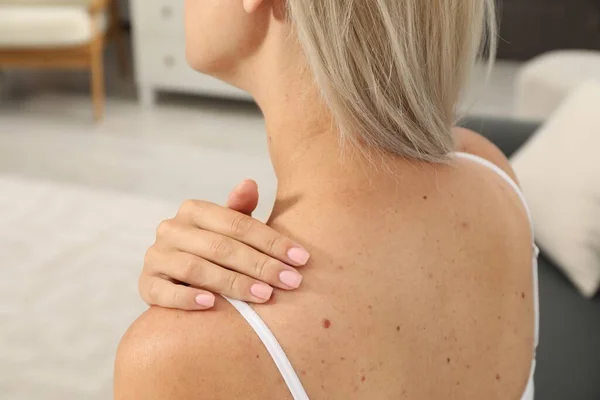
69, 261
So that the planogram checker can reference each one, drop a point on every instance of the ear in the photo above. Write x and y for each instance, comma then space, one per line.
251, 5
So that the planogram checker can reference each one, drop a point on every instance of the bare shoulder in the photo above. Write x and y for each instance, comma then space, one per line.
171, 354
471, 142
485, 292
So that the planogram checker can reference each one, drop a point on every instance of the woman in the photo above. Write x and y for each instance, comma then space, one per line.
421, 279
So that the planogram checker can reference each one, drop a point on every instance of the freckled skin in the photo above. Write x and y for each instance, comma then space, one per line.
403, 288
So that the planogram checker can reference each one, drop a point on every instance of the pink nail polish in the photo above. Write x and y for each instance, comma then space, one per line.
298, 255
291, 279
261, 291
241, 185
205, 300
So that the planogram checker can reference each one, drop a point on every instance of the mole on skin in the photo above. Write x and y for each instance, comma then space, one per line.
326, 323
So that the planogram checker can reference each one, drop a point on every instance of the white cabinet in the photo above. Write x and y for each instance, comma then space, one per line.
159, 52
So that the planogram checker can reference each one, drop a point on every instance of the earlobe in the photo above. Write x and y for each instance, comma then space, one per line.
251, 5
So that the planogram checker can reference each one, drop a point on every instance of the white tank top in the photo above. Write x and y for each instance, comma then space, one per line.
283, 363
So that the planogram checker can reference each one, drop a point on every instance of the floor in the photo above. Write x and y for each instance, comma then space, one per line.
79, 202
167, 152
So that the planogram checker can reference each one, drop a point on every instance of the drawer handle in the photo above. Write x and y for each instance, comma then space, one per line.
166, 12
169, 61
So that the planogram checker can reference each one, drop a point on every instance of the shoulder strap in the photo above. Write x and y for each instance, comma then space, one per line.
536, 251
490, 165
273, 347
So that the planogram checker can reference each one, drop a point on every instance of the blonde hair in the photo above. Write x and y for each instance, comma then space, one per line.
392, 71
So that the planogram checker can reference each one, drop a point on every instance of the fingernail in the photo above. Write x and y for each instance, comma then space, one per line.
261, 291
205, 300
291, 279
241, 184
298, 255
244, 183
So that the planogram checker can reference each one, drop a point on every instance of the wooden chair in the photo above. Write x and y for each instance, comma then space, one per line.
61, 34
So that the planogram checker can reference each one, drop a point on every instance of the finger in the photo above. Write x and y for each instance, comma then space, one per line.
185, 267
162, 292
244, 198
233, 255
245, 229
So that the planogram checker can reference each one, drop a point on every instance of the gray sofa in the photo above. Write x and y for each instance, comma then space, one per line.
568, 357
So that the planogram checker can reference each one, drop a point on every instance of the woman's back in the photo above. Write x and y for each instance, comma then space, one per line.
420, 283
419, 286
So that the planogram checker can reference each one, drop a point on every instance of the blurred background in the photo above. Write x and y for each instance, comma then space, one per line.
105, 130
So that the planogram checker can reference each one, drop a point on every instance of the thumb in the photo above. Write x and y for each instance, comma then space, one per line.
244, 198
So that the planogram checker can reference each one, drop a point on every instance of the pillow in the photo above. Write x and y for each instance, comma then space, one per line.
559, 171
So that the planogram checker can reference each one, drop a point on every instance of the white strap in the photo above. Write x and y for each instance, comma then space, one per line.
529, 390
503, 175
536, 251
273, 347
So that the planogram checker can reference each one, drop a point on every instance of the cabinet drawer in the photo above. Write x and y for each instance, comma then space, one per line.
165, 17
162, 63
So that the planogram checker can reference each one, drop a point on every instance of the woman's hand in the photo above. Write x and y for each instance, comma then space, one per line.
223, 250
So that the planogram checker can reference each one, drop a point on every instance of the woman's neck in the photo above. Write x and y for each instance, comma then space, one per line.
312, 163
304, 143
